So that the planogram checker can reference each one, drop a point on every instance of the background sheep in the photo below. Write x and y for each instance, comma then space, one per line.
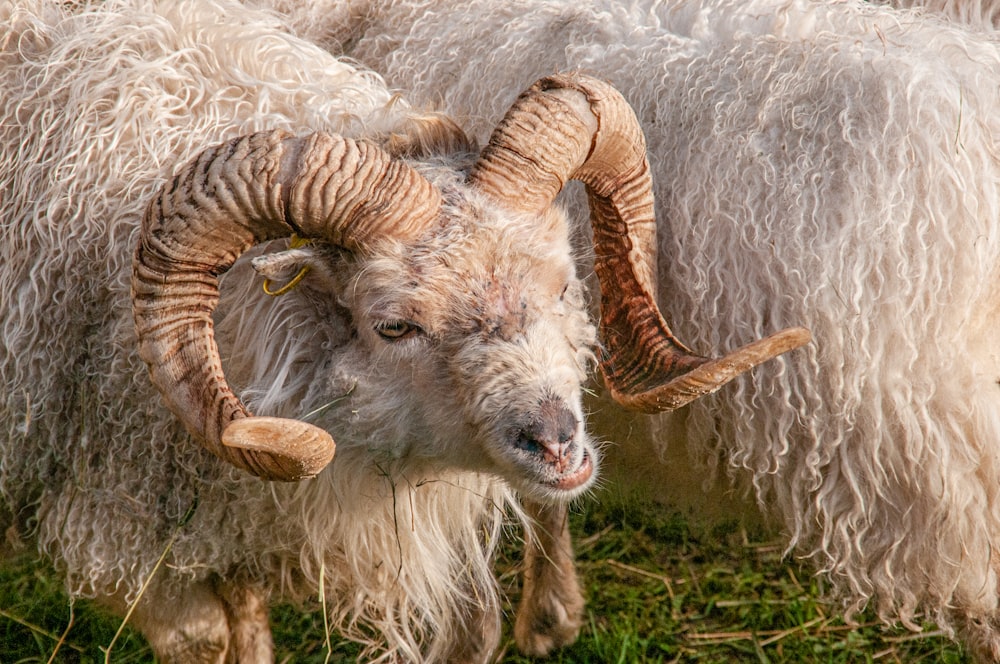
976, 13
832, 163
471, 273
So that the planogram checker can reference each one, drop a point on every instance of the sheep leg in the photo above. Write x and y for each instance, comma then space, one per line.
551, 609
980, 634
249, 626
204, 623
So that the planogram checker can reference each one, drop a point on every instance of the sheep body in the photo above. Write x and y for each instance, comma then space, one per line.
99, 104
830, 164
975, 13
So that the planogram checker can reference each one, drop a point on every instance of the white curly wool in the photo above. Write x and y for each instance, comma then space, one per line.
831, 165
975, 13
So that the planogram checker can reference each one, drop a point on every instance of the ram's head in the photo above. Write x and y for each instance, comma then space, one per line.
461, 281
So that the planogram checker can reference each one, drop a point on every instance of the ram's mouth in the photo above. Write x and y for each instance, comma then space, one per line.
577, 478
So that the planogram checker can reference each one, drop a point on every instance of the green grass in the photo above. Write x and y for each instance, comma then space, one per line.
658, 590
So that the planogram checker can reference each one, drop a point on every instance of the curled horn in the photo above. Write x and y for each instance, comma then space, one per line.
575, 127
252, 189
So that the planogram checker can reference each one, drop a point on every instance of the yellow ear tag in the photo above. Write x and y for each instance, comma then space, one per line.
294, 242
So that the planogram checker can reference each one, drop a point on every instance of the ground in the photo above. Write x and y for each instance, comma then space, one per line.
660, 588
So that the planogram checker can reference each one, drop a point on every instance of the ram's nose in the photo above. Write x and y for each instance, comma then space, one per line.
549, 433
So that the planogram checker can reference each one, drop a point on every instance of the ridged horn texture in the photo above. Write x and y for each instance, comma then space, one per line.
575, 127
231, 197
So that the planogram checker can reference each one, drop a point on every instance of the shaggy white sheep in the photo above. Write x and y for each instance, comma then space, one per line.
833, 164
439, 331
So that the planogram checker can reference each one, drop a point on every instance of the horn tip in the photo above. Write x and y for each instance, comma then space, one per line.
711, 375
281, 449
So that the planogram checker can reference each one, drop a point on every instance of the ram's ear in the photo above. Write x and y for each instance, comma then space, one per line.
307, 266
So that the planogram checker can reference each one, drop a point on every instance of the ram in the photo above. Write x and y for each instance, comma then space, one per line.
831, 164
427, 317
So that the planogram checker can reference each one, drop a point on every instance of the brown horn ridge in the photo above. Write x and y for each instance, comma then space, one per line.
575, 127
232, 196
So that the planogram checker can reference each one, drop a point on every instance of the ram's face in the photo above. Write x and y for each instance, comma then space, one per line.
479, 339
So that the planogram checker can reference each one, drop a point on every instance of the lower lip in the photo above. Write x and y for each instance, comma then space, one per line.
578, 478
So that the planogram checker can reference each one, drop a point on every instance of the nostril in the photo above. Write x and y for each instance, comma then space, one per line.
527, 441
550, 431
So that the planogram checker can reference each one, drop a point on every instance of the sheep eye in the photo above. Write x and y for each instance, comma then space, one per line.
394, 330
